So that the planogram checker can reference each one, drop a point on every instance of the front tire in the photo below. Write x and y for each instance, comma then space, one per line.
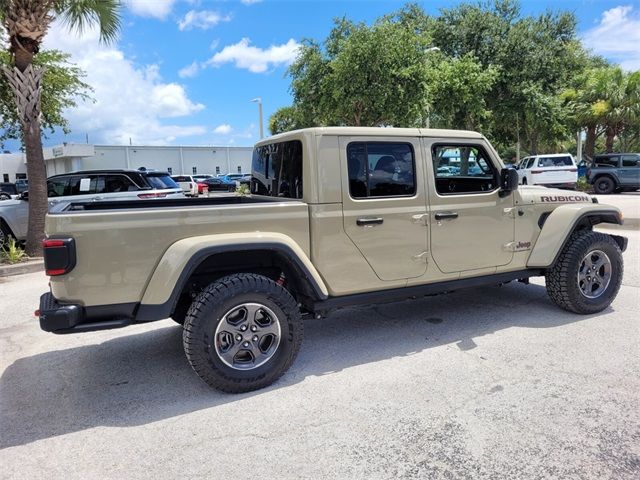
242, 333
604, 185
588, 274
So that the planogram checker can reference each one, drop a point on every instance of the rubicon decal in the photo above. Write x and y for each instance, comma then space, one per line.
562, 198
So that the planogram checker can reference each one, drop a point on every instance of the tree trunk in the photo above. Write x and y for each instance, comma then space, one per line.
38, 203
590, 143
26, 85
610, 136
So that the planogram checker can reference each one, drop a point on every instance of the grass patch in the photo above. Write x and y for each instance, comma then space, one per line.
12, 253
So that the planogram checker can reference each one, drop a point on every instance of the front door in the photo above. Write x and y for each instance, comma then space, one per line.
384, 204
472, 227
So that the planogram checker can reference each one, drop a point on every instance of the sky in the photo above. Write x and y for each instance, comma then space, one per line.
184, 72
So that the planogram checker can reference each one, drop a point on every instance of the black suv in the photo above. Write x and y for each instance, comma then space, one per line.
615, 172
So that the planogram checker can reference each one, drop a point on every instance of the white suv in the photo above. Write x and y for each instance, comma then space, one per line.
553, 170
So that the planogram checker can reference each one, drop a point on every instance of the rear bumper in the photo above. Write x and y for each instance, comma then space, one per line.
70, 318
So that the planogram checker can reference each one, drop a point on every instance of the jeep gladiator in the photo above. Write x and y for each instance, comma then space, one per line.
337, 216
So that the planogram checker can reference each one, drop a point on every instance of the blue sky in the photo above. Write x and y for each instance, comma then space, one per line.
184, 72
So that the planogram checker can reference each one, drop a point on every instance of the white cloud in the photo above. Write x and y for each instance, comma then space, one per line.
617, 36
203, 20
254, 59
224, 129
130, 101
250, 2
151, 8
189, 71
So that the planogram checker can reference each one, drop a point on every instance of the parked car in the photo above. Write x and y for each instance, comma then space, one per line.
615, 172
552, 170
14, 214
216, 184
95, 185
8, 190
22, 185
233, 177
188, 184
200, 178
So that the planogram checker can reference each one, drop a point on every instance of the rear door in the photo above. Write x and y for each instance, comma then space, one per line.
629, 172
384, 203
472, 227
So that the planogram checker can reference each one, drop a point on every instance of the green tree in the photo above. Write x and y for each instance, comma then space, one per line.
62, 88
286, 119
25, 23
363, 76
459, 89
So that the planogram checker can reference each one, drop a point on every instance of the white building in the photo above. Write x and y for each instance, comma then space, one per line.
13, 166
70, 157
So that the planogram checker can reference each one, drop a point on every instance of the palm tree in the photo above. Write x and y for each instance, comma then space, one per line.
25, 23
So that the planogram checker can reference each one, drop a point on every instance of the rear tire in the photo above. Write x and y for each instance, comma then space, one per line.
604, 185
242, 333
588, 274
5, 196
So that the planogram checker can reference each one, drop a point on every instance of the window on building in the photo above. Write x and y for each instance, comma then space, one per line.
194, 170
21, 176
5, 177
277, 169
239, 169
378, 169
170, 170
217, 170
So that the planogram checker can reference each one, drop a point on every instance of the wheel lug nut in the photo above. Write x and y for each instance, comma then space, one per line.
255, 338
254, 328
243, 328
245, 344
238, 337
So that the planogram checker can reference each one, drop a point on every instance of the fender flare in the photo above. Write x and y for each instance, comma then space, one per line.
561, 223
182, 258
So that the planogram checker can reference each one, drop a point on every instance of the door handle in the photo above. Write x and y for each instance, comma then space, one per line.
446, 215
363, 222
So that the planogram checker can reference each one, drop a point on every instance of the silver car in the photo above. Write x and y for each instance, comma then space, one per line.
88, 186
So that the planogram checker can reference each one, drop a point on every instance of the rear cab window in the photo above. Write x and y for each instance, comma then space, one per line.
277, 170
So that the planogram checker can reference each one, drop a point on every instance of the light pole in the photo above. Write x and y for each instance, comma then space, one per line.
258, 100
427, 122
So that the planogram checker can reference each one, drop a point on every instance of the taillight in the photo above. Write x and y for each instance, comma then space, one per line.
152, 195
59, 255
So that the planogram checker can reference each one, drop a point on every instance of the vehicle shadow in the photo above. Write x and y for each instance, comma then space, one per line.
142, 378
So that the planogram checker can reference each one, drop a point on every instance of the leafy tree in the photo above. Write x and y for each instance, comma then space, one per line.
362, 75
459, 89
25, 23
286, 119
62, 87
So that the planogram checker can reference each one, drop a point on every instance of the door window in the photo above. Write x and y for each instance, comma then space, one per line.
117, 183
630, 161
379, 169
462, 169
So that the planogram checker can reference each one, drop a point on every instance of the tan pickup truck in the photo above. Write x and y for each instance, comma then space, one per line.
337, 217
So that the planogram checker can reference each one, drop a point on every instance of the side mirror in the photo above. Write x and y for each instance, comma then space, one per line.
24, 196
508, 181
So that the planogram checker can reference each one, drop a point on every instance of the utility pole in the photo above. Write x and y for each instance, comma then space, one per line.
258, 100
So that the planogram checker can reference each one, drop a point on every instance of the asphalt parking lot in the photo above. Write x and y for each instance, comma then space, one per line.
494, 382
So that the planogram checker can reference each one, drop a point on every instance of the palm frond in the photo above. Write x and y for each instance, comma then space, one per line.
82, 14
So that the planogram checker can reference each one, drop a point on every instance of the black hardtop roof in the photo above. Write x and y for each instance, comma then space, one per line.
614, 154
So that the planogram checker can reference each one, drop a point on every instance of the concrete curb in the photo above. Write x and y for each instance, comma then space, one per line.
30, 266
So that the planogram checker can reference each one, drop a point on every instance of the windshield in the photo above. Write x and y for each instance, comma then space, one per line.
160, 181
